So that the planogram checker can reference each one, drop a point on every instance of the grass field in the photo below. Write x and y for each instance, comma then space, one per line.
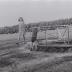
36, 62
13, 59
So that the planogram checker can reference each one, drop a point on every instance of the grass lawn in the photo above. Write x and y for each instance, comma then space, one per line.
17, 61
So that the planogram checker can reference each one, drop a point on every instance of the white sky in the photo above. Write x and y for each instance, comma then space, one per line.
35, 0
33, 10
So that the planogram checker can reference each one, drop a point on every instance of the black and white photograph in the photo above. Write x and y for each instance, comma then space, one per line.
35, 35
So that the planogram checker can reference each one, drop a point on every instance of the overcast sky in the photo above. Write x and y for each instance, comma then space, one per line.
33, 10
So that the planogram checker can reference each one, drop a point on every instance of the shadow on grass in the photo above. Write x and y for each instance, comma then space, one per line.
13, 57
24, 56
5, 62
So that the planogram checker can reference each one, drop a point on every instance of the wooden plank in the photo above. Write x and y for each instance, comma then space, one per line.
58, 45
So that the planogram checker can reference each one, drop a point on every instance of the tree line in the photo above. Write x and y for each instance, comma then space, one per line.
28, 28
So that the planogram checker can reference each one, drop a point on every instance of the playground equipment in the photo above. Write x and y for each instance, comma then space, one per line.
62, 43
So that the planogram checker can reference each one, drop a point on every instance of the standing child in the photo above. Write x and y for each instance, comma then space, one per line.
34, 37
22, 31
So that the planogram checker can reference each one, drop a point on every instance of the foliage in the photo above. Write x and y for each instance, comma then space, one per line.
28, 28
11, 30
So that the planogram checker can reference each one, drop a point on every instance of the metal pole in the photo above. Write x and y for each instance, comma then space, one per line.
45, 38
68, 34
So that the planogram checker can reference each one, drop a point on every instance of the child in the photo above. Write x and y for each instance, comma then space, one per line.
21, 29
